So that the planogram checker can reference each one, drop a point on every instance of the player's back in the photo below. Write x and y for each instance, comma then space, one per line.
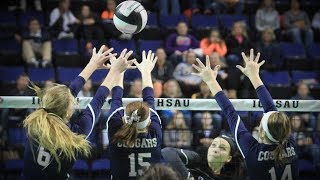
42, 165
262, 165
128, 162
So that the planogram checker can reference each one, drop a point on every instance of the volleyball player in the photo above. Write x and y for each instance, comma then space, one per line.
55, 141
274, 156
221, 160
135, 130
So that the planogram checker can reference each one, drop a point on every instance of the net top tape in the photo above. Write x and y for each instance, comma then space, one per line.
176, 104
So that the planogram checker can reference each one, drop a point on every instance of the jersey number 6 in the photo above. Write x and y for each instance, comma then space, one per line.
43, 157
132, 157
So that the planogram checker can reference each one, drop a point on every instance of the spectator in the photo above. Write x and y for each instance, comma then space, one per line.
86, 89
25, 5
196, 6
36, 45
110, 30
237, 43
49, 83
136, 89
316, 24
63, 23
232, 81
107, 14
179, 43
228, 6
163, 69
306, 146
297, 24
303, 94
267, 16
270, 51
204, 135
204, 92
21, 89
90, 28
164, 8
183, 74
213, 43
177, 134
171, 89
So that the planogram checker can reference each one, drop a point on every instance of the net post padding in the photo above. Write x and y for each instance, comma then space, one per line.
177, 104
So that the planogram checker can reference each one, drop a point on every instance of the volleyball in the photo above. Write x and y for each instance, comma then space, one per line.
130, 17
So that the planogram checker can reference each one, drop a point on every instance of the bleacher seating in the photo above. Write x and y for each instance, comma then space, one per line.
39, 75
70, 55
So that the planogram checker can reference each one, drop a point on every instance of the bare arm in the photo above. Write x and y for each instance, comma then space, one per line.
96, 62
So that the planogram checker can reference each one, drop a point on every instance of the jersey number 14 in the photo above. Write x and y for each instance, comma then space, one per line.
141, 163
286, 175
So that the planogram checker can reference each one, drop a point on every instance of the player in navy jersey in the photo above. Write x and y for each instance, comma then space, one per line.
221, 160
135, 130
55, 141
274, 156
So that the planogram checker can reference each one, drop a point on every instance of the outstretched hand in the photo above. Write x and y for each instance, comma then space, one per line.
148, 62
121, 63
99, 58
252, 66
205, 71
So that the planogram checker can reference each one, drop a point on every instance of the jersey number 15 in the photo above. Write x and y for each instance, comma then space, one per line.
141, 163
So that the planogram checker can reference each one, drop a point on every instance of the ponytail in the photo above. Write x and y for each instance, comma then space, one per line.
49, 129
127, 134
278, 157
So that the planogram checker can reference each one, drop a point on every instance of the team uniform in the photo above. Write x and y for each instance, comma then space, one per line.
128, 162
194, 164
258, 156
39, 164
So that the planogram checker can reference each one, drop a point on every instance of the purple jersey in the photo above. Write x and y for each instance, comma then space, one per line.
128, 162
258, 156
38, 162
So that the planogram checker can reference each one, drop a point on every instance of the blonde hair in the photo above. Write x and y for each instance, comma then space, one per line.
172, 124
48, 125
128, 133
280, 128
243, 27
269, 30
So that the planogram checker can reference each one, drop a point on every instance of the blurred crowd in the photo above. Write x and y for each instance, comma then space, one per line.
172, 76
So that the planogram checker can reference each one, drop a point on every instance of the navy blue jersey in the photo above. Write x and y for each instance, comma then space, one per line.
258, 156
38, 163
128, 162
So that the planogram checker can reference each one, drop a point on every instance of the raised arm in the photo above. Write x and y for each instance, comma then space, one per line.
146, 67
242, 136
117, 85
96, 62
251, 70
88, 117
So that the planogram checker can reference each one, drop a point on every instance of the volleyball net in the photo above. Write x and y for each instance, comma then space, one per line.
176, 104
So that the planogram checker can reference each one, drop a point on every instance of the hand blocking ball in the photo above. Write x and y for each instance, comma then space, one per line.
130, 17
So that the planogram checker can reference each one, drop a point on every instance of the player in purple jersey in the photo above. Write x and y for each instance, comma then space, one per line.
274, 156
135, 130
55, 140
